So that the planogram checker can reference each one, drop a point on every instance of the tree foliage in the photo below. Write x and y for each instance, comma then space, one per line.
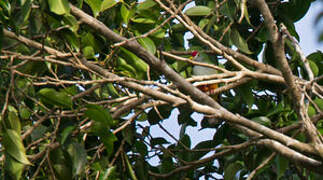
85, 84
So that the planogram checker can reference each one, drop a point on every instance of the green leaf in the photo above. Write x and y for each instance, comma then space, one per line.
109, 173
203, 23
137, 63
5, 7
148, 44
124, 13
314, 68
124, 68
278, 109
160, 33
246, 94
13, 168
319, 103
78, 156
99, 114
59, 7
107, 4
52, 97
231, 170
130, 169
23, 14
108, 139
202, 145
24, 113
14, 147
153, 116
198, 11
143, 20
95, 6
158, 141
238, 41
317, 57
112, 90
13, 122
61, 163
245, 12
1, 36
65, 133
262, 120
141, 148
311, 111
38, 132
88, 39
282, 165
72, 39
229, 9
293, 10
72, 22
146, 5
88, 52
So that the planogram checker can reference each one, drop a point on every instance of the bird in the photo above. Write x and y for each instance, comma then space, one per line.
208, 121
202, 71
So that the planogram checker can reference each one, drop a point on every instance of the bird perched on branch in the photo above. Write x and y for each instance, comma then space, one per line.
202, 70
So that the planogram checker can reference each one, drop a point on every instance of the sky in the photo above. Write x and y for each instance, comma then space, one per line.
309, 43
308, 32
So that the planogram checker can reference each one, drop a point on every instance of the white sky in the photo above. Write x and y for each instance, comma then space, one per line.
308, 32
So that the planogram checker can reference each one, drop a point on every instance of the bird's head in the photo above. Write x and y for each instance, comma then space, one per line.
194, 54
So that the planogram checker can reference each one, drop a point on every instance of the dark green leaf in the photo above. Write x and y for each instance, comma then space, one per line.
203, 145
65, 133
293, 10
137, 63
99, 114
124, 68
1, 36
108, 139
141, 148
282, 165
203, 23
78, 156
158, 141
95, 6
231, 170
13, 168
154, 117
238, 41
108, 174
229, 9
24, 113
71, 21
23, 14
148, 44
52, 97
61, 164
